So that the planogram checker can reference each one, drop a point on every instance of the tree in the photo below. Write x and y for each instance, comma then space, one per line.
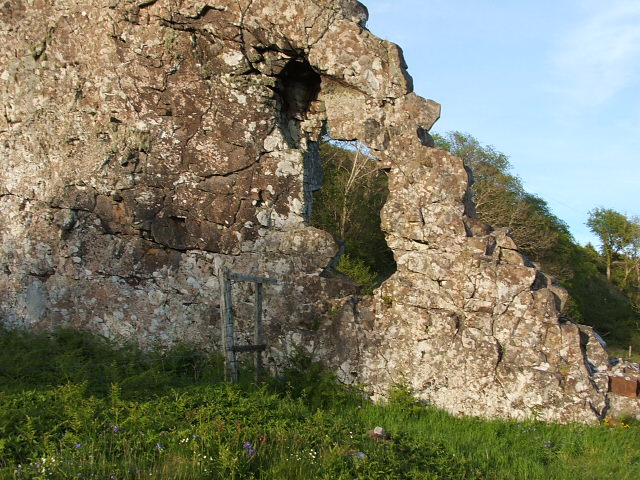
614, 230
630, 264
500, 198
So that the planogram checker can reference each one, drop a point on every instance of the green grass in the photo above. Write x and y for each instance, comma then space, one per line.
619, 352
72, 407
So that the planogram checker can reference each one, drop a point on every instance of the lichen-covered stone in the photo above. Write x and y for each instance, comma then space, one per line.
181, 138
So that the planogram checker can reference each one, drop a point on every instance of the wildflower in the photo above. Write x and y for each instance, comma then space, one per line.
249, 450
159, 446
115, 429
77, 445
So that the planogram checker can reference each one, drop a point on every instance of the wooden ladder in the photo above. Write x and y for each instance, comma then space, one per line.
229, 347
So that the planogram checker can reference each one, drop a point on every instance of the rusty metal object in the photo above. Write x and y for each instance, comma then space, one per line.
623, 386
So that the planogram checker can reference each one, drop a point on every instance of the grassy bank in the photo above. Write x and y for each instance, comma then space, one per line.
71, 406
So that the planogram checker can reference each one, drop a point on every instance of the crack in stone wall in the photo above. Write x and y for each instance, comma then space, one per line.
183, 138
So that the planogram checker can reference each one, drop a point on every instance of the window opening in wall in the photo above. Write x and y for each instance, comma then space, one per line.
354, 190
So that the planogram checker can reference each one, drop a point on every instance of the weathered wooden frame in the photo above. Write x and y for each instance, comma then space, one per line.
227, 328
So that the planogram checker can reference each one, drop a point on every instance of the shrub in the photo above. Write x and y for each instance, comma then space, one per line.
359, 272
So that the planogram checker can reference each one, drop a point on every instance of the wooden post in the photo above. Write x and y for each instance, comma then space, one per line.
259, 334
223, 319
229, 331
226, 320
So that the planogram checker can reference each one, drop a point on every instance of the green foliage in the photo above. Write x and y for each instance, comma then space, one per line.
615, 231
359, 272
66, 355
597, 302
608, 305
302, 426
401, 398
620, 245
309, 381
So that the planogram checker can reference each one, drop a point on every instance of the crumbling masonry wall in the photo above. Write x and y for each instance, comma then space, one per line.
180, 138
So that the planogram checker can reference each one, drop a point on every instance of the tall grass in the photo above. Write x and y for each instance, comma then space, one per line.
73, 406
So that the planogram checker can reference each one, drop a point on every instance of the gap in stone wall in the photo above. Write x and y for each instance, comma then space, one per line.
348, 205
344, 186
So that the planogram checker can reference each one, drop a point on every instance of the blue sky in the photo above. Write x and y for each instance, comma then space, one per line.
555, 85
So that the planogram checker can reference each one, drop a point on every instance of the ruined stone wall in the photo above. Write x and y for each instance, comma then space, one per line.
147, 144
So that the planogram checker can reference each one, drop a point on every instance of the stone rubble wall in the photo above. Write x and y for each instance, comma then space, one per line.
147, 144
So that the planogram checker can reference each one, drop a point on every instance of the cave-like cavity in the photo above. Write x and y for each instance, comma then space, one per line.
299, 86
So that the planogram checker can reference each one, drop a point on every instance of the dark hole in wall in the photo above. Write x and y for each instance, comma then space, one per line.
348, 205
299, 86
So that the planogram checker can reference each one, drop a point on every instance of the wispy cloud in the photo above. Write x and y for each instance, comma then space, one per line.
600, 55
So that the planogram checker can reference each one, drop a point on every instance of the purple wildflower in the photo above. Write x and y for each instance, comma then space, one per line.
77, 445
159, 446
249, 450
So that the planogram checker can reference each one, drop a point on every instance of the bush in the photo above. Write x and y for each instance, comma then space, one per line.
359, 272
